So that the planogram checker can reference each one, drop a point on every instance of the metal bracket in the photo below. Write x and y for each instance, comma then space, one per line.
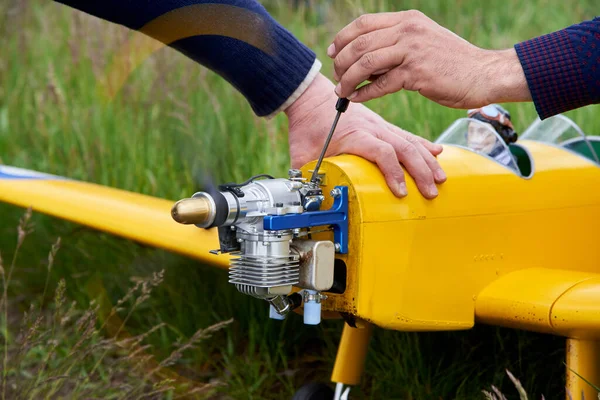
337, 217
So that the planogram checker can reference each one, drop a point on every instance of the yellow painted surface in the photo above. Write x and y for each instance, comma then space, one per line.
583, 357
419, 265
352, 354
576, 314
130, 215
559, 302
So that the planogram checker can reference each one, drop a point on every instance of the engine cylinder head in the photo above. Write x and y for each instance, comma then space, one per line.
265, 262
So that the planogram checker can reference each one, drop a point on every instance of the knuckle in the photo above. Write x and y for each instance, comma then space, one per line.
415, 45
379, 134
368, 61
412, 27
407, 148
338, 64
414, 14
363, 21
340, 39
361, 43
366, 91
434, 164
382, 82
385, 152
412, 139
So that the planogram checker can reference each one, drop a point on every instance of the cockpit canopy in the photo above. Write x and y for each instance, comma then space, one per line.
482, 138
563, 132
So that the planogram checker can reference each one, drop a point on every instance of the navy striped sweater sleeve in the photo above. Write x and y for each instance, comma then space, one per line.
237, 39
563, 68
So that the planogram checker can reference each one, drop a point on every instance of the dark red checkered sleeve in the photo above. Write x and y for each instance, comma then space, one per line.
563, 68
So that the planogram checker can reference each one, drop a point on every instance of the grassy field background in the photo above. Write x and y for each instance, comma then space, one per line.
174, 118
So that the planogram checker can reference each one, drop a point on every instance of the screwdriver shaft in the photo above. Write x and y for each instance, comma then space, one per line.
341, 106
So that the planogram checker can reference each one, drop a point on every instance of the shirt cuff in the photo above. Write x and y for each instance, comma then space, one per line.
553, 73
312, 73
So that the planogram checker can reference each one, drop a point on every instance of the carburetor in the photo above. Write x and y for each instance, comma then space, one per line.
266, 224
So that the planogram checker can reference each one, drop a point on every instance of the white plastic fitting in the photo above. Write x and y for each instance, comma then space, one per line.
312, 310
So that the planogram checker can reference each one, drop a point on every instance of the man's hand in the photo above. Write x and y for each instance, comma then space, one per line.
407, 50
364, 133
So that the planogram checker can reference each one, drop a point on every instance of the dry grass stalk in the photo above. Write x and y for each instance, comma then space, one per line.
200, 335
51, 257
49, 357
515, 381
176, 355
23, 229
488, 395
497, 395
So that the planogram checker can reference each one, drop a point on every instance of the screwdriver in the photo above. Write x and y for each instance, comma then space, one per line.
341, 106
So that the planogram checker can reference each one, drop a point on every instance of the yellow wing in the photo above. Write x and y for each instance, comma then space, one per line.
134, 216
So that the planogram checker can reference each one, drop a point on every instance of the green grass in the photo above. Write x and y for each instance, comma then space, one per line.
174, 119
59, 349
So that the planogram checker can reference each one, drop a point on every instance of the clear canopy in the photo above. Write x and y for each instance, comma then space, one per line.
562, 131
555, 130
481, 138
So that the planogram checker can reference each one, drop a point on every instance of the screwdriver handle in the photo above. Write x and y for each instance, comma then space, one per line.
342, 104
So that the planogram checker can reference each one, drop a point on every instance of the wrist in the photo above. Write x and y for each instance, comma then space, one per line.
506, 77
318, 92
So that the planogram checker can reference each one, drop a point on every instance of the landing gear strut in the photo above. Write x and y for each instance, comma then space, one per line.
348, 369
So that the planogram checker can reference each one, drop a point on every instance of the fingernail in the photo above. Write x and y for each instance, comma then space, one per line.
331, 50
440, 175
338, 89
433, 191
353, 95
401, 189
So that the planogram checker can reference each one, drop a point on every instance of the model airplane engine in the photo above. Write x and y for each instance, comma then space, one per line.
267, 225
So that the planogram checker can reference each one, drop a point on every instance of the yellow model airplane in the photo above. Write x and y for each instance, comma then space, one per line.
508, 243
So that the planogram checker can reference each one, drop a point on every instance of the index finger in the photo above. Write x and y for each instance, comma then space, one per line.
364, 24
